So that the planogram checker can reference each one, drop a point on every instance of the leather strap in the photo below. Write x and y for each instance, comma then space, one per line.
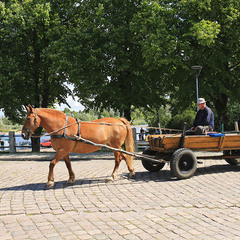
68, 137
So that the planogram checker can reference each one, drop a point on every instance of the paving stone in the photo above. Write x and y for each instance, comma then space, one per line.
151, 206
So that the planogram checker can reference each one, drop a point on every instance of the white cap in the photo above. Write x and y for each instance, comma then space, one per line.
200, 100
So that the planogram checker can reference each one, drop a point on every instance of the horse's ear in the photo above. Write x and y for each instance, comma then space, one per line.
27, 108
30, 108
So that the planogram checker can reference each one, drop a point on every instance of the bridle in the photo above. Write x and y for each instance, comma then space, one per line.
29, 130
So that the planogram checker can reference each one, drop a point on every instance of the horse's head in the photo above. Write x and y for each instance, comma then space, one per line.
31, 122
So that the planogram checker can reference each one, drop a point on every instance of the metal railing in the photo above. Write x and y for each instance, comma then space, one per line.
11, 142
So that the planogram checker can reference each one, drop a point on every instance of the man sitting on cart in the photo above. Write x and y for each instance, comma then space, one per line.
204, 120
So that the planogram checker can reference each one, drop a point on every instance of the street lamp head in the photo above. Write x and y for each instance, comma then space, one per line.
197, 67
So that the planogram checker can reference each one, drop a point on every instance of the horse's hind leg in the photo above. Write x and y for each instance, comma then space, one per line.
59, 155
118, 159
70, 171
129, 160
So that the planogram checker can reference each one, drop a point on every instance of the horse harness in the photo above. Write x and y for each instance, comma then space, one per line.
29, 130
77, 138
64, 133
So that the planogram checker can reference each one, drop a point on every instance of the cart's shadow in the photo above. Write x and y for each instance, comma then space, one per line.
223, 168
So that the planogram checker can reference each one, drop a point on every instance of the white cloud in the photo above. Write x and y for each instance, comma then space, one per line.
75, 105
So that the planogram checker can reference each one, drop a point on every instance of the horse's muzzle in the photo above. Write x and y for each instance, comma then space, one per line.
25, 135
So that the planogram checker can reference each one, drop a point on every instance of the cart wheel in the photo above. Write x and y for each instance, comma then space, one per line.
232, 161
151, 166
183, 163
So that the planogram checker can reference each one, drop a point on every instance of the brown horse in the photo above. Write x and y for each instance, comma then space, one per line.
109, 131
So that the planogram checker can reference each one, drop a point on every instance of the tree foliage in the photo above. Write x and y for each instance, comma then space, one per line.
176, 35
120, 55
103, 58
27, 30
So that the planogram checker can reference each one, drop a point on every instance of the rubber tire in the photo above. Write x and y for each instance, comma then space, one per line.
183, 163
151, 166
231, 161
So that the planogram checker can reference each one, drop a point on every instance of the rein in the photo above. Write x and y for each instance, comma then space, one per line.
55, 131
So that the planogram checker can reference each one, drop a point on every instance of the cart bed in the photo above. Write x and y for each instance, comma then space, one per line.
214, 143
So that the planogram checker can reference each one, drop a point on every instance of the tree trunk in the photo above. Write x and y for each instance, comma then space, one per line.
127, 114
36, 67
221, 108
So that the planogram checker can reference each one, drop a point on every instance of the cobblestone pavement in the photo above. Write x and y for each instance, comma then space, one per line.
151, 206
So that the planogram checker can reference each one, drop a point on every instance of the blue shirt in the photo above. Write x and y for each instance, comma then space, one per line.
204, 117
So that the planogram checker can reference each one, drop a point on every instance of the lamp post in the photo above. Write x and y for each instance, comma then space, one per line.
198, 71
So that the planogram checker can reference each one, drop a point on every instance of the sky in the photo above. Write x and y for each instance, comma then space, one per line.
74, 104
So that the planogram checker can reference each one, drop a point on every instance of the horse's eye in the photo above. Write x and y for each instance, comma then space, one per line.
28, 118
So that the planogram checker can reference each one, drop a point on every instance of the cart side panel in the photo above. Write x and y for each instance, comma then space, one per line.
168, 143
203, 143
198, 142
171, 142
231, 142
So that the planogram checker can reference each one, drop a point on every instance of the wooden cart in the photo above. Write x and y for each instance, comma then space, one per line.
179, 151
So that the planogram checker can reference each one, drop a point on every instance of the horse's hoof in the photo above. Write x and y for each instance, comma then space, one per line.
132, 175
50, 184
110, 180
71, 181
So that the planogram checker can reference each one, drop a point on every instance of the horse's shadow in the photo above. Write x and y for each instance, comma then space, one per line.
143, 176
57, 185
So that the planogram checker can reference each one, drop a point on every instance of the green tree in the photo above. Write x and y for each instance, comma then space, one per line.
101, 56
176, 35
160, 115
27, 30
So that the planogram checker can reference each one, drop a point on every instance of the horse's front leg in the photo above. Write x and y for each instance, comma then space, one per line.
59, 155
70, 171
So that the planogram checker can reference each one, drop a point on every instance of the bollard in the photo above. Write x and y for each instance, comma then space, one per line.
134, 133
160, 130
236, 126
12, 142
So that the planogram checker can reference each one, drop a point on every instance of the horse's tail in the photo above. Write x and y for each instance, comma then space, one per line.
129, 142
129, 145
